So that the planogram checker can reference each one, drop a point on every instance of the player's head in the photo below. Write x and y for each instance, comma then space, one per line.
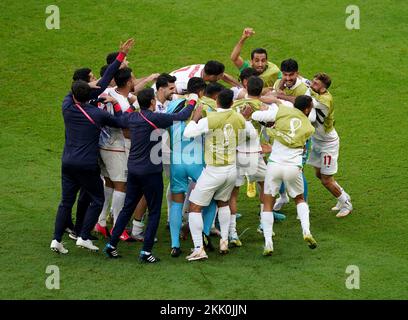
304, 103
81, 90
146, 99
225, 99
255, 86
84, 74
196, 85
321, 82
213, 89
259, 59
112, 56
166, 85
213, 71
123, 78
245, 74
289, 69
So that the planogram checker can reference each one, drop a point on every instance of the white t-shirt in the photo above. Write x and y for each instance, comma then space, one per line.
236, 90
185, 74
117, 140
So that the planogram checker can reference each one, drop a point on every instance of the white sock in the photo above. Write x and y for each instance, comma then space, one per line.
267, 225
303, 214
168, 197
102, 217
343, 197
137, 228
118, 200
224, 217
195, 221
233, 226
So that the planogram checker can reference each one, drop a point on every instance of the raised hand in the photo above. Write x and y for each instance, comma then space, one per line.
248, 32
125, 47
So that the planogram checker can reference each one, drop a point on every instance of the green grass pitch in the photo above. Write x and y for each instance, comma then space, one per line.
369, 71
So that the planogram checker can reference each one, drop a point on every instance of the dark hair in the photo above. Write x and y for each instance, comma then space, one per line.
164, 79
145, 97
111, 57
122, 76
103, 69
324, 78
213, 68
82, 74
225, 98
246, 73
259, 51
289, 65
302, 102
213, 88
195, 85
255, 86
81, 90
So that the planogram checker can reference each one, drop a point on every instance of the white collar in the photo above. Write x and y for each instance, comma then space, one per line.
223, 110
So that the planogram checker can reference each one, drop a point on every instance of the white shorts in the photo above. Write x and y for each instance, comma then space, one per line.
324, 155
251, 165
290, 175
114, 165
214, 182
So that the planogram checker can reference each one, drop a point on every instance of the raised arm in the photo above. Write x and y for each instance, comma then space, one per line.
113, 67
141, 83
236, 52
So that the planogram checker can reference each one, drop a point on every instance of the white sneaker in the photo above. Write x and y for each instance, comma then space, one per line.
224, 246
86, 244
280, 202
58, 247
268, 249
337, 207
345, 210
197, 254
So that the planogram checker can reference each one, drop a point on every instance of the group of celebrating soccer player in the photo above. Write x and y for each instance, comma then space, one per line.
210, 140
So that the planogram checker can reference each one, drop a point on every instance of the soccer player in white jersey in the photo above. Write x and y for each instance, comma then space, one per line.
113, 154
212, 71
222, 129
292, 128
326, 143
